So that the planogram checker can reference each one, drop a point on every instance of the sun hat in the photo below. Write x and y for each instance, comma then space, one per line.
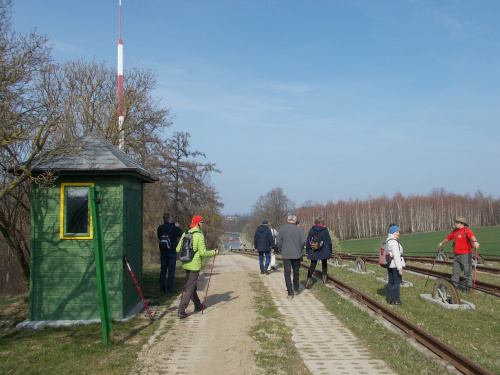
195, 221
394, 229
462, 219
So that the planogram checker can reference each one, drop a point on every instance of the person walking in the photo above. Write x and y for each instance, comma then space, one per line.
463, 241
322, 253
168, 256
395, 270
264, 243
193, 267
291, 240
272, 264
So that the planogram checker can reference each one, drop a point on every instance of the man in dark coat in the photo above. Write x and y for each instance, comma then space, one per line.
264, 243
168, 257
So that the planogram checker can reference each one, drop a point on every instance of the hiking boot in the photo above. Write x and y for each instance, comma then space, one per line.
325, 279
289, 297
398, 303
309, 283
267, 272
199, 308
182, 314
296, 292
389, 301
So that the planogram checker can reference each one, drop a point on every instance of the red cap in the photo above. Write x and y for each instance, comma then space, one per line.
195, 221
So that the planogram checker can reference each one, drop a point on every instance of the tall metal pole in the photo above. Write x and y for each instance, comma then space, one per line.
120, 81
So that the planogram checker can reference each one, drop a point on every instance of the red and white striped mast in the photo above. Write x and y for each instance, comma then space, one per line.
120, 81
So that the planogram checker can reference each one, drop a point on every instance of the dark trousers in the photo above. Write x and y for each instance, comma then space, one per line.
312, 267
288, 266
167, 264
462, 262
190, 293
261, 260
394, 285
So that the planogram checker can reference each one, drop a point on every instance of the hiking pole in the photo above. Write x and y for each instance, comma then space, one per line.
206, 292
475, 269
138, 288
432, 266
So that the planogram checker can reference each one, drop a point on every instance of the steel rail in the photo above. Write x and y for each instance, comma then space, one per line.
482, 286
424, 259
431, 342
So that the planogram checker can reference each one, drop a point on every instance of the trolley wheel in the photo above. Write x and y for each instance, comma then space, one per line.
442, 256
337, 260
480, 260
360, 265
445, 291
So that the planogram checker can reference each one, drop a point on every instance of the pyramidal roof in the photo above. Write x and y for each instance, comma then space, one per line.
93, 154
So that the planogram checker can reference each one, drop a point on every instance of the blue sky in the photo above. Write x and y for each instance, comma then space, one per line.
327, 99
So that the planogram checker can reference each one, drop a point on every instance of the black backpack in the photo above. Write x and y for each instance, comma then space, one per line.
187, 251
316, 242
165, 242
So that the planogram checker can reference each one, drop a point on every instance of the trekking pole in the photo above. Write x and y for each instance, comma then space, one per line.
183, 285
475, 269
138, 288
432, 266
206, 292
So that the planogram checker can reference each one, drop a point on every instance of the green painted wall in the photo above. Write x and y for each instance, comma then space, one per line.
63, 277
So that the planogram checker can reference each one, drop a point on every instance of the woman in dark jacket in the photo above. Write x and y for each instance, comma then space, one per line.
322, 253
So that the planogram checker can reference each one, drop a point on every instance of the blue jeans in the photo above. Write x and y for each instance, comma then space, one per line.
261, 260
167, 264
394, 285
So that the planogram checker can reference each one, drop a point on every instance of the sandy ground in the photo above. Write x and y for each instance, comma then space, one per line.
214, 342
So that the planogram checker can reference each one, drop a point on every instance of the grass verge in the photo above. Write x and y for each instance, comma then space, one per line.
277, 354
78, 349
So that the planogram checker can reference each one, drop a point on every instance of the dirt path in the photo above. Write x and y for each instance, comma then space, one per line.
215, 342
218, 342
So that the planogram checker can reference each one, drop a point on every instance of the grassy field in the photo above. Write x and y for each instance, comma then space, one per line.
427, 243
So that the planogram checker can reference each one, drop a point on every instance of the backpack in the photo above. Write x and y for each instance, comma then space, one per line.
165, 242
316, 242
187, 251
385, 256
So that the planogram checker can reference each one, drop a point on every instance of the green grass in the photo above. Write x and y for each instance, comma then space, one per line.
277, 354
427, 243
78, 349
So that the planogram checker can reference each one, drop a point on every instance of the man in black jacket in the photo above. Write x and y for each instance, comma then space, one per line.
264, 243
168, 257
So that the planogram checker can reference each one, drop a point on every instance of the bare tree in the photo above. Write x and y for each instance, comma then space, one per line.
273, 206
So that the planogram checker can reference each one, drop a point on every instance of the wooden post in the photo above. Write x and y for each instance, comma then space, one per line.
100, 264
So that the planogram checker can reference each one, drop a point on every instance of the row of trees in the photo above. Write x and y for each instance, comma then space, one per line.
413, 214
350, 219
44, 106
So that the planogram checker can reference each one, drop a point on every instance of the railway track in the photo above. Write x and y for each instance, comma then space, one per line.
480, 266
480, 285
434, 344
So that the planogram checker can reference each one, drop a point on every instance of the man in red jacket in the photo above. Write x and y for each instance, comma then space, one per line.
463, 240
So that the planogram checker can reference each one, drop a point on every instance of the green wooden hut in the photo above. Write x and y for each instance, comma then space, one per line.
63, 282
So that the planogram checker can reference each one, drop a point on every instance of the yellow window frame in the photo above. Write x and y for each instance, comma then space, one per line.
62, 215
